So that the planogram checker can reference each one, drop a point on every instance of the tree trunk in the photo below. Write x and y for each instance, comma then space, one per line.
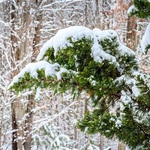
86, 12
20, 28
18, 124
31, 103
15, 54
28, 123
14, 127
101, 142
131, 32
1, 126
37, 38
121, 146
97, 18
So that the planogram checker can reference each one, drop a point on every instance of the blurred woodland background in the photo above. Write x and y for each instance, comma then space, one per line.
46, 121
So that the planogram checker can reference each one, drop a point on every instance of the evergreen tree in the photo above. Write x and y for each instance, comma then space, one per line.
78, 59
141, 8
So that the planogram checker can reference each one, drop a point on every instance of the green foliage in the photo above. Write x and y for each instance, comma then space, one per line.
111, 84
147, 48
142, 8
143, 100
29, 82
134, 118
133, 133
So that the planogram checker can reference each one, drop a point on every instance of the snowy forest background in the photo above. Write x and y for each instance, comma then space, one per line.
48, 121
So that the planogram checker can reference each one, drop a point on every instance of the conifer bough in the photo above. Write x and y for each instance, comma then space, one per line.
78, 59
141, 8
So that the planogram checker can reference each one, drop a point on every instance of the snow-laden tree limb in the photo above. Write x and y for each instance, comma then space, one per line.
79, 59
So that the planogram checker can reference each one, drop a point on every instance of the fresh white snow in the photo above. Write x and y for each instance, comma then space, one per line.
146, 38
131, 82
118, 123
50, 70
99, 54
125, 98
131, 9
60, 41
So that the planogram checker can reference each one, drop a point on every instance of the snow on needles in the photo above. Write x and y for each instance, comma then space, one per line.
146, 38
50, 70
60, 41
97, 51
131, 9
132, 83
